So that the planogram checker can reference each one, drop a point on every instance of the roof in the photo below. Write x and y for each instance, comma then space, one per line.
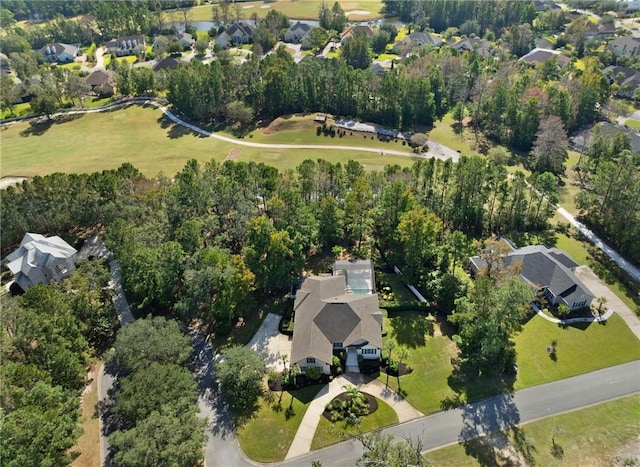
300, 26
242, 28
539, 55
36, 257
166, 64
325, 313
546, 267
624, 44
99, 78
353, 29
58, 49
468, 44
130, 41
582, 140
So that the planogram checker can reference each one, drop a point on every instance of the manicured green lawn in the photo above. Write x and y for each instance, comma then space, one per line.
580, 348
444, 133
19, 110
591, 436
330, 433
430, 357
267, 437
145, 138
303, 9
632, 123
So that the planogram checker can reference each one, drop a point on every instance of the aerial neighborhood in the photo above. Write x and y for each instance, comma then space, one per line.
381, 232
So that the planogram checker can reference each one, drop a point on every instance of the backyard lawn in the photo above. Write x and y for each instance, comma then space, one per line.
606, 434
330, 433
267, 437
146, 139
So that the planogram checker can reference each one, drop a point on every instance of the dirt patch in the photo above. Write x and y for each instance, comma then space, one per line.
10, 181
628, 454
233, 154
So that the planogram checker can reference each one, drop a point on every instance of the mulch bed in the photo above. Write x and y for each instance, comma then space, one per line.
403, 369
373, 404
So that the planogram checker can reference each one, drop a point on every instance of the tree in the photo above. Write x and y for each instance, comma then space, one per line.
163, 438
487, 319
149, 340
240, 374
201, 47
379, 41
330, 221
9, 93
550, 149
317, 38
358, 221
355, 51
239, 113
383, 450
417, 231
458, 115
77, 88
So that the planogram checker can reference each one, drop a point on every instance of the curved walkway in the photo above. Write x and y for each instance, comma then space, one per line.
301, 444
592, 319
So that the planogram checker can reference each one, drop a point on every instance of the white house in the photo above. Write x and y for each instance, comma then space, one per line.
59, 52
334, 313
40, 260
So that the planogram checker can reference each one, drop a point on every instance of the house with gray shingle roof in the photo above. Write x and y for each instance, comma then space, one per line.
540, 55
417, 39
548, 269
337, 312
59, 52
625, 46
297, 32
40, 260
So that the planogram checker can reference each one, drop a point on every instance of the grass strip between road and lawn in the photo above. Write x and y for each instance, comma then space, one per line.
605, 434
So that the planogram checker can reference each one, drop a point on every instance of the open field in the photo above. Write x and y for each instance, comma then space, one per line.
267, 437
88, 445
145, 138
304, 9
605, 434
329, 433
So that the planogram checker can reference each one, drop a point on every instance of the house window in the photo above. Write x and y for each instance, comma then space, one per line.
311, 360
369, 351
337, 345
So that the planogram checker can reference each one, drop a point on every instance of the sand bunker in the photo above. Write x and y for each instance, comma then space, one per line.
246, 7
264, 7
357, 12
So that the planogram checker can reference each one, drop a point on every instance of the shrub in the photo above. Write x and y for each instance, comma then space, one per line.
313, 372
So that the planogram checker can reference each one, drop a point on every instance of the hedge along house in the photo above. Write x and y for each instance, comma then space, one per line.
549, 270
338, 312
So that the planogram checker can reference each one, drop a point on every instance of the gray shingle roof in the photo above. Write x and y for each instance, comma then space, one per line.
325, 313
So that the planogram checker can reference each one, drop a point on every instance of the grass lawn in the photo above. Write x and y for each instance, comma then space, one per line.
632, 123
88, 445
580, 348
307, 9
430, 356
267, 437
301, 129
329, 433
145, 138
19, 110
444, 133
596, 435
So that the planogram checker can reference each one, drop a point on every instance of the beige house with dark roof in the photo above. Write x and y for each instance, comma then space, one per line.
330, 316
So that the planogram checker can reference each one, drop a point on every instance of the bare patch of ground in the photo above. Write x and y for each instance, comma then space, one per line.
233, 154
10, 181
628, 454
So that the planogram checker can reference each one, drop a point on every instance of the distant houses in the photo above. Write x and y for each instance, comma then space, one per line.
126, 45
628, 79
166, 64
184, 40
59, 52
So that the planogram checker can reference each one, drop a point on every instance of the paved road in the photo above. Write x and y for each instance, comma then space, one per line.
633, 271
497, 413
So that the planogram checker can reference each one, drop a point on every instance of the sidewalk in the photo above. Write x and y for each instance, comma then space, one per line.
304, 436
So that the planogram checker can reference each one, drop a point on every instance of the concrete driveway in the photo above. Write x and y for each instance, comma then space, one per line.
269, 342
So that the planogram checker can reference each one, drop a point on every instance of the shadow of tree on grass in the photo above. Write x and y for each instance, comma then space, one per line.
410, 328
